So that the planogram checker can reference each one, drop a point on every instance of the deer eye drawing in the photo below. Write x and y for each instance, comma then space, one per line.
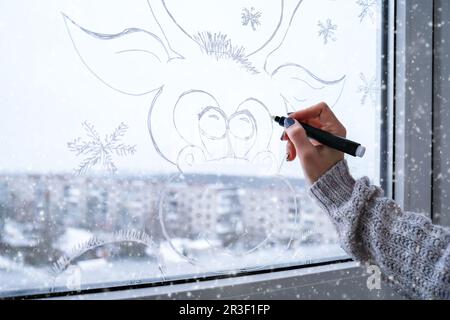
212, 123
243, 126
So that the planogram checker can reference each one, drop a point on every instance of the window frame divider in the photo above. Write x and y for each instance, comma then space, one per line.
413, 105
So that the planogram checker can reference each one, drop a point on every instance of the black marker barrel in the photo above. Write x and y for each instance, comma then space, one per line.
339, 143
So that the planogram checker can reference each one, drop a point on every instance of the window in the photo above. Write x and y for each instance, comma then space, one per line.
137, 143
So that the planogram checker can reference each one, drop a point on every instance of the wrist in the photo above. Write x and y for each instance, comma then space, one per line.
334, 187
318, 169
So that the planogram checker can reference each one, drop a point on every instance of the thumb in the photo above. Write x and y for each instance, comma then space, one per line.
297, 135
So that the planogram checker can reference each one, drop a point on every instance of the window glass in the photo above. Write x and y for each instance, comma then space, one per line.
137, 142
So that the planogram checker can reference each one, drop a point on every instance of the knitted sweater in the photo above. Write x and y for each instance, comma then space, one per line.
409, 250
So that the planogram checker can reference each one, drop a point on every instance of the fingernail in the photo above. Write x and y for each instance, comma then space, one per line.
289, 122
287, 156
289, 113
282, 137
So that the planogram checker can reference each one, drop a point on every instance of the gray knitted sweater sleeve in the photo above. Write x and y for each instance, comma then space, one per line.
407, 247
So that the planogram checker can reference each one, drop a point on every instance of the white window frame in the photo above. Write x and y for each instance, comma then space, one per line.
406, 179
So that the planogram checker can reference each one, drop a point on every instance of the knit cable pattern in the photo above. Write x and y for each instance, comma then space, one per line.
409, 250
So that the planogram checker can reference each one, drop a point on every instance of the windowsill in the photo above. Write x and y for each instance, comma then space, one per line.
345, 280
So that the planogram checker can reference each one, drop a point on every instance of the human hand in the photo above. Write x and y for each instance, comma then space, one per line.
315, 158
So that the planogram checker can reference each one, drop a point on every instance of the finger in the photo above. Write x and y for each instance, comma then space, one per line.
314, 122
320, 116
320, 110
315, 143
284, 137
297, 136
291, 153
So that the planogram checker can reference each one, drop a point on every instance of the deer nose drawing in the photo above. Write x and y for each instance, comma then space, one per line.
226, 137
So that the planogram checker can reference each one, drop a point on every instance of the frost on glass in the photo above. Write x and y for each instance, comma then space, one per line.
158, 157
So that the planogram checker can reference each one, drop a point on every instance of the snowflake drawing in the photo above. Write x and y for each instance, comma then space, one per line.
326, 30
368, 8
98, 151
250, 17
369, 89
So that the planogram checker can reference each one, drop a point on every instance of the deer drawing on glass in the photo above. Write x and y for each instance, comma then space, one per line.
209, 68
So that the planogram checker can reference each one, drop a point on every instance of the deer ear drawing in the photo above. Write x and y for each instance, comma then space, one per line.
299, 87
132, 62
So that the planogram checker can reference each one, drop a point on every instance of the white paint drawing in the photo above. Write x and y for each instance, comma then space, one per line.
251, 17
122, 236
369, 89
214, 83
229, 235
183, 63
327, 31
98, 151
368, 9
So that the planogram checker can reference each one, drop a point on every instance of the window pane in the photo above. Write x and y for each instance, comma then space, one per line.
140, 147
